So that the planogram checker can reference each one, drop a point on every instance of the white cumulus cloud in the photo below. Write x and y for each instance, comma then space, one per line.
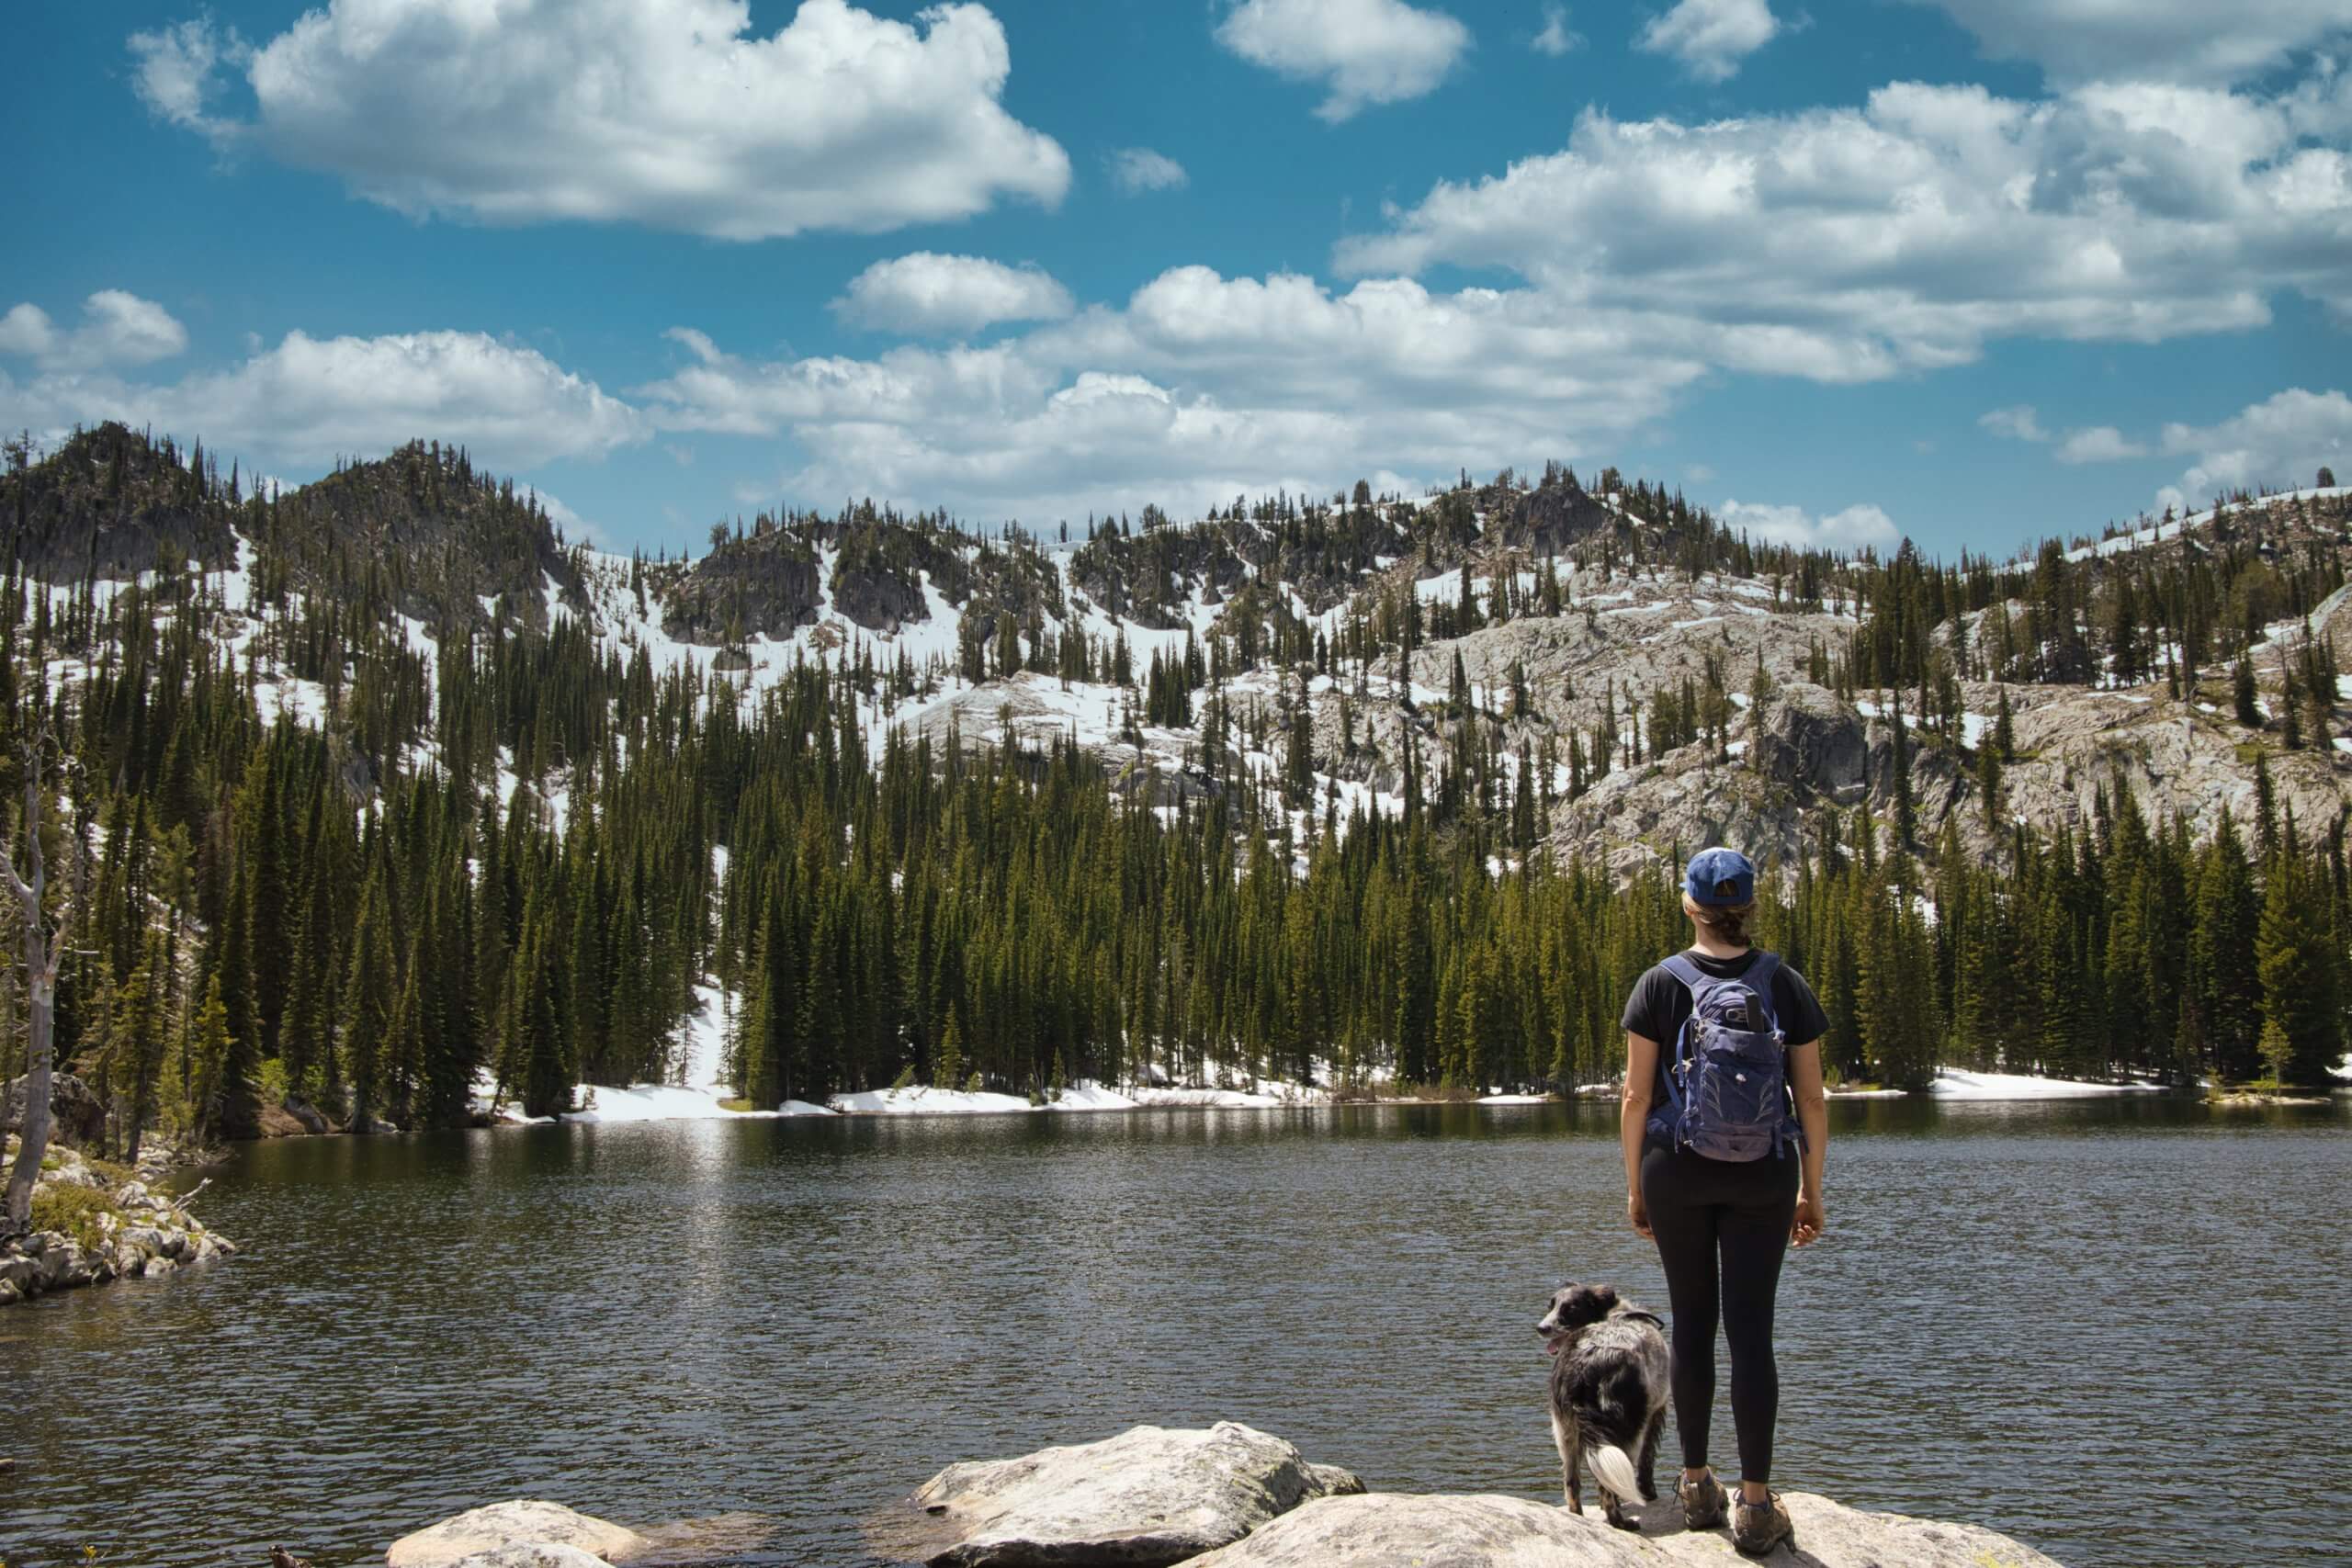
308, 400
2099, 444
1858, 527
1199, 388
118, 328
1366, 52
2280, 442
668, 113
1138, 169
1556, 38
926, 292
2016, 422
1711, 36
1853, 243
2185, 40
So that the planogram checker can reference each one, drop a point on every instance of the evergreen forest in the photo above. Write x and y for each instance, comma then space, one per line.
494, 851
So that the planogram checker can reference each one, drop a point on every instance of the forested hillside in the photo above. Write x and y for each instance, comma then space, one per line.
384, 795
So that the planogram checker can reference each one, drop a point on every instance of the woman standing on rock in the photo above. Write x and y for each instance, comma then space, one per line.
1722, 1174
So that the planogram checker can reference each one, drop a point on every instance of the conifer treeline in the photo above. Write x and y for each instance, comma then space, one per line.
497, 857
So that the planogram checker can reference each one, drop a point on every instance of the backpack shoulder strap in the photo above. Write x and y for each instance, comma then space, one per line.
1758, 979
1682, 969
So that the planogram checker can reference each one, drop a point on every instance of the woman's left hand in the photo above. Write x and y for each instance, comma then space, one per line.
1810, 1220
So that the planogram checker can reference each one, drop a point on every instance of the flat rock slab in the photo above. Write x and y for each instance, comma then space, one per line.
522, 1522
1384, 1529
1833, 1536
1151, 1496
1387, 1530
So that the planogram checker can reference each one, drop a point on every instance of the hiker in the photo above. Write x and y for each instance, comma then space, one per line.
1723, 1127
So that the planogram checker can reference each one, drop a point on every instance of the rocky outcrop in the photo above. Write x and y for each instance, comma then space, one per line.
762, 585
509, 1534
1150, 1495
1383, 1531
93, 1228
878, 599
1810, 741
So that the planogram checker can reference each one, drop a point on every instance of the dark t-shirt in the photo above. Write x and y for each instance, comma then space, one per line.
1660, 1003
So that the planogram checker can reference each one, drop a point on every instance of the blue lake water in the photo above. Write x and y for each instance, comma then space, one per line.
2063, 1320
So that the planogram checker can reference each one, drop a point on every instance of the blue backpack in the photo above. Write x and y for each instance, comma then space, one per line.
1728, 1083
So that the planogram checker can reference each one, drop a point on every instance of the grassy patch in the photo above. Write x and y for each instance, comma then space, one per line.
73, 1211
735, 1105
2250, 752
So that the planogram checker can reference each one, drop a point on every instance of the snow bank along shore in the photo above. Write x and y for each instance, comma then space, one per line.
705, 1096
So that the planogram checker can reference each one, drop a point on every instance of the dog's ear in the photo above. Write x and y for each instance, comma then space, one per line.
1604, 1297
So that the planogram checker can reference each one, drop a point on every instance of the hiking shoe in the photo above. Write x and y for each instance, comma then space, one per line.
1701, 1500
1758, 1528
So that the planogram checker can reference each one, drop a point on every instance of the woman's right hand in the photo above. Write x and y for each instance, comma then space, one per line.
1810, 1222
1638, 1212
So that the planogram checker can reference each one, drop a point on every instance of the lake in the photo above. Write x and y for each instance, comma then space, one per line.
2069, 1321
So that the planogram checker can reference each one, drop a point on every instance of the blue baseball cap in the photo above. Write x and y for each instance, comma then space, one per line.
1720, 877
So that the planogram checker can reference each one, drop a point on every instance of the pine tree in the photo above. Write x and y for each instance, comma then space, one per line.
2302, 1031
367, 1002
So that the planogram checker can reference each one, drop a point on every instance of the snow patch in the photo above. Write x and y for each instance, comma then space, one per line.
1950, 1083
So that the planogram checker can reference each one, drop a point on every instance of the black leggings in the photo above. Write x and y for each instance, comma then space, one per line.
1701, 1209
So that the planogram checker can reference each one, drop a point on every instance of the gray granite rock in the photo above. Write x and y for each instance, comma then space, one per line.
533, 1555
522, 1522
1387, 1530
1150, 1495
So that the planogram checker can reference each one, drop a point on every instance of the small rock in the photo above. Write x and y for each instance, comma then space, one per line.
156, 1268
9, 1295
1150, 1495
518, 1522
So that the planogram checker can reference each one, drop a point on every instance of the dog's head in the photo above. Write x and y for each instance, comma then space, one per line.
1573, 1308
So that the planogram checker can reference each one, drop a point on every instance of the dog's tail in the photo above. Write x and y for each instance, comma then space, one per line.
1614, 1470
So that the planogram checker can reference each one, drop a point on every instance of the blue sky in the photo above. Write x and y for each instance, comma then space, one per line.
1968, 270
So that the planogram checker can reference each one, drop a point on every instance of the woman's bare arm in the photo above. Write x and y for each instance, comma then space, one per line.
1813, 1116
1634, 1119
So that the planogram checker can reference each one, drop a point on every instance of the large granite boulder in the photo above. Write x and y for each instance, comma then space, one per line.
77, 1116
1383, 1531
1150, 1495
533, 1555
522, 1522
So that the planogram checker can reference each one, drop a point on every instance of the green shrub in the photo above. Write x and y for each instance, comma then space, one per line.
61, 1206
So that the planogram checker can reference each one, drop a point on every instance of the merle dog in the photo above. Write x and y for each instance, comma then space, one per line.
1610, 1376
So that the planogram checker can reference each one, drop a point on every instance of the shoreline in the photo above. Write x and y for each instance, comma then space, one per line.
611, 1105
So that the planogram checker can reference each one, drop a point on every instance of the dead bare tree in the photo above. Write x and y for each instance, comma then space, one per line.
44, 949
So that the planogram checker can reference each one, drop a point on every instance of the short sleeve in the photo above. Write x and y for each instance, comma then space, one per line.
1802, 1019
1644, 1011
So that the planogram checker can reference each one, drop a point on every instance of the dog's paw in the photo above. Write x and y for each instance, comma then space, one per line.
1623, 1520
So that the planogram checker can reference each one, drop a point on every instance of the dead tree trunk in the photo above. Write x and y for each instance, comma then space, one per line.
44, 948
